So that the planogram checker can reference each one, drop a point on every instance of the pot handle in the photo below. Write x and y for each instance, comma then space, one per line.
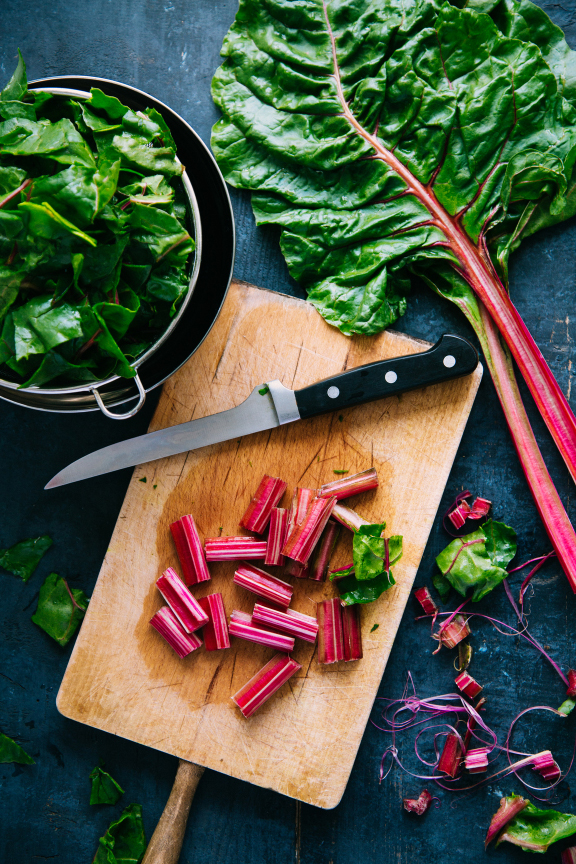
132, 412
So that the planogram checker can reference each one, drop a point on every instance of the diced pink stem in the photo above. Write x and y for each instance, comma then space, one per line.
294, 568
216, 630
509, 807
305, 536
301, 501
330, 631
259, 582
449, 762
468, 685
459, 515
425, 599
480, 508
348, 486
294, 623
190, 551
352, 632
251, 633
276, 537
166, 623
418, 805
455, 632
568, 856
347, 517
267, 496
184, 605
265, 683
476, 761
545, 764
571, 692
233, 548
323, 551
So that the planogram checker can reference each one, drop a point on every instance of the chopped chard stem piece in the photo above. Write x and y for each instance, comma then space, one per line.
216, 630
454, 632
352, 632
418, 805
323, 552
449, 762
267, 496
425, 599
183, 604
568, 856
347, 517
276, 537
305, 536
301, 501
265, 683
190, 551
233, 548
468, 685
459, 515
259, 582
348, 486
331, 631
509, 807
294, 568
294, 623
476, 761
166, 623
480, 508
571, 691
251, 633
546, 766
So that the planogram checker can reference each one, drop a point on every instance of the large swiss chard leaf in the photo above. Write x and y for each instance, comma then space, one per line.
476, 562
332, 110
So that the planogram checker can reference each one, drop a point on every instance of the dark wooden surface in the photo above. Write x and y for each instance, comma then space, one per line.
170, 49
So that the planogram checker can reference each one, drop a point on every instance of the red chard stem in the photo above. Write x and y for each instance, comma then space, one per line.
509, 807
190, 551
276, 537
352, 633
468, 685
331, 631
233, 548
259, 582
418, 805
323, 551
183, 604
166, 623
294, 623
251, 633
449, 762
348, 486
425, 599
347, 517
265, 683
216, 630
305, 536
267, 496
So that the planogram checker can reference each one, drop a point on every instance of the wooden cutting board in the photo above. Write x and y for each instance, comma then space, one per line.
124, 679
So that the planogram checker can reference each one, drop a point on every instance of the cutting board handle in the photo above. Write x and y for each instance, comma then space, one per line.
166, 842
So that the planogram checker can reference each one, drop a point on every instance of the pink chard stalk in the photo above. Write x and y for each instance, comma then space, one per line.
476, 761
241, 625
190, 551
216, 630
276, 537
323, 552
233, 548
468, 685
339, 634
348, 486
451, 757
263, 584
304, 537
166, 623
267, 496
291, 622
265, 683
183, 604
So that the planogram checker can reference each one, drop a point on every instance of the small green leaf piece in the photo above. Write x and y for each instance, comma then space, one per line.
341, 470
534, 830
142, 479
105, 790
124, 841
23, 558
10, 751
374, 627
478, 560
60, 609
263, 390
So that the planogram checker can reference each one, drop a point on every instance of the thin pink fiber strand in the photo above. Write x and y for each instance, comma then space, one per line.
532, 572
514, 768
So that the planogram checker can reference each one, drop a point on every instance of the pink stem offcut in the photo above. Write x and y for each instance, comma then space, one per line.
259, 582
451, 757
352, 633
348, 486
294, 623
301, 501
166, 623
190, 552
233, 548
330, 631
184, 605
305, 536
509, 808
323, 551
418, 805
251, 633
425, 599
265, 683
267, 496
476, 761
468, 685
347, 517
276, 537
216, 630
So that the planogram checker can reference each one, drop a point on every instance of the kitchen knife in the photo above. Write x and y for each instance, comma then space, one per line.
272, 404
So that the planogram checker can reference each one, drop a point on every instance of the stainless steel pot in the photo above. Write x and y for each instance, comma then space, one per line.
172, 348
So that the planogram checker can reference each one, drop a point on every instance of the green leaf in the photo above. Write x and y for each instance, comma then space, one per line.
161, 233
18, 84
105, 790
370, 575
48, 223
77, 192
60, 609
354, 590
124, 841
442, 585
534, 830
53, 366
478, 560
369, 550
38, 327
23, 558
10, 751
329, 108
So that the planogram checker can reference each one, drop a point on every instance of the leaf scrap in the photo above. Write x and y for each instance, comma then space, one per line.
60, 609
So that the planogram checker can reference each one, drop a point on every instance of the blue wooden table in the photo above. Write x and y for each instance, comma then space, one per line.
169, 48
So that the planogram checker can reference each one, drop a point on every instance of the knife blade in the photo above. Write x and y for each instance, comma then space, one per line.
271, 404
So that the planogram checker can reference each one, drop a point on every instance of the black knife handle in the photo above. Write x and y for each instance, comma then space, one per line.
451, 357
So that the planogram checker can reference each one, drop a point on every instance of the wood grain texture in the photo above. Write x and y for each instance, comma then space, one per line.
122, 677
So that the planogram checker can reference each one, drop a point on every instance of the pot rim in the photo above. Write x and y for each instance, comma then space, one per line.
92, 386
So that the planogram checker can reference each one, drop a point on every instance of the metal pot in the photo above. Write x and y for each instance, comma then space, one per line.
213, 225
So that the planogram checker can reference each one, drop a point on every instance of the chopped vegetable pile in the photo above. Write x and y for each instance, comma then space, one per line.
94, 246
303, 538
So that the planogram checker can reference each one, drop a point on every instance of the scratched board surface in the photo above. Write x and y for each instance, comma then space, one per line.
123, 678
